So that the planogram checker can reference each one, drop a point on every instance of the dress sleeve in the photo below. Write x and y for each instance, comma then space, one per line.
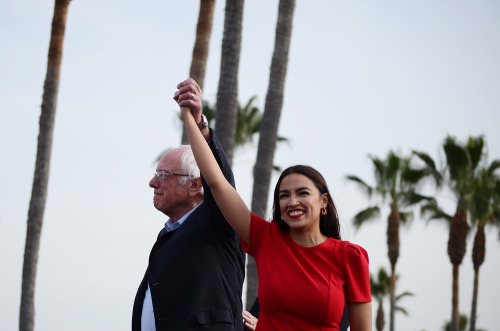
260, 232
357, 274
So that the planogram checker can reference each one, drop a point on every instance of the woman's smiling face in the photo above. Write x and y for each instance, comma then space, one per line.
301, 202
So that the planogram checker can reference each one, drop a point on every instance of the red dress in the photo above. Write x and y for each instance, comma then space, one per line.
305, 288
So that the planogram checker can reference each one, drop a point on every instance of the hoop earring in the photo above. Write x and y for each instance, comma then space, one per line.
323, 211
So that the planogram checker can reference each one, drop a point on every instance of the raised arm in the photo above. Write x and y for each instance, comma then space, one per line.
229, 201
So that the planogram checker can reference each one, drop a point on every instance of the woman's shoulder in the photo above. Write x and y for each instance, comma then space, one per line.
350, 251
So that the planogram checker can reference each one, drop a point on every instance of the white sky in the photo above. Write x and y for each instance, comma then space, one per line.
363, 77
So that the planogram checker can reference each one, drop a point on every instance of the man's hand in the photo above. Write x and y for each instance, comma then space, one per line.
189, 95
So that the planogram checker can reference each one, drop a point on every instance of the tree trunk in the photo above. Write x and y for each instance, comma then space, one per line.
474, 301
270, 121
392, 297
455, 316
42, 167
393, 253
456, 251
201, 46
478, 254
227, 94
380, 321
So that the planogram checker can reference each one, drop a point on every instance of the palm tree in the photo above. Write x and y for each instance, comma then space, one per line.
396, 180
248, 122
462, 324
269, 128
42, 166
484, 208
380, 289
227, 92
462, 161
201, 46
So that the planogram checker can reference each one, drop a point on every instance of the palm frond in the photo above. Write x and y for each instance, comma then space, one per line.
430, 166
362, 184
411, 198
393, 165
402, 310
475, 150
413, 176
365, 215
404, 294
457, 159
434, 212
406, 217
380, 172
495, 164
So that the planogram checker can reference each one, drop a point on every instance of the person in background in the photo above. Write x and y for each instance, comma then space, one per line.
196, 267
306, 273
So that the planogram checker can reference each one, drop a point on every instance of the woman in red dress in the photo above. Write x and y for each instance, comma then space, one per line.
306, 273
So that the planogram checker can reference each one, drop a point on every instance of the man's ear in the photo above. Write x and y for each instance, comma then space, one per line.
195, 187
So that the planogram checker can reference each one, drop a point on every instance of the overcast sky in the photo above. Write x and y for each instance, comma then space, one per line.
363, 78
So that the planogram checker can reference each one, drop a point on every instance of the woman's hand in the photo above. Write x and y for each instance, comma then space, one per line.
189, 95
250, 320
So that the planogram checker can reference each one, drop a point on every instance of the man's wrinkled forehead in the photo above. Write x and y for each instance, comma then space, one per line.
171, 160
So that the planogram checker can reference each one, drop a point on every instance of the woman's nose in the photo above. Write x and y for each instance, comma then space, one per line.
293, 201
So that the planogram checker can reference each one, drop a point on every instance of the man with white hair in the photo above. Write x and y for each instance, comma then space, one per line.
196, 267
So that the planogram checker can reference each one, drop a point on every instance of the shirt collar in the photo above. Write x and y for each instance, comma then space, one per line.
171, 226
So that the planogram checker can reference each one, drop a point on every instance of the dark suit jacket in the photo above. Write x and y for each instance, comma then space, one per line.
196, 272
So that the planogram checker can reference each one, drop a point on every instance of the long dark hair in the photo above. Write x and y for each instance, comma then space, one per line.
329, 223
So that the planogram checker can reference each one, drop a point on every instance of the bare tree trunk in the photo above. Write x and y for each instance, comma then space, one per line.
201, 47
392, 297
227, 94
474, 301
42, 167
455, 316
393, 253
269, 126
478, 254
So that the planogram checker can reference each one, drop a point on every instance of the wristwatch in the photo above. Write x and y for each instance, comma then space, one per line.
204, 122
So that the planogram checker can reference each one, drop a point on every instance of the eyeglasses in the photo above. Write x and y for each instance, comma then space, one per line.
161, 175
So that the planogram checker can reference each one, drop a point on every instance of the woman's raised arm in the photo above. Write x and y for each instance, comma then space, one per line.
229, 201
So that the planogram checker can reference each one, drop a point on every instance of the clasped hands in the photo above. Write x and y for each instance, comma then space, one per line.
189, 98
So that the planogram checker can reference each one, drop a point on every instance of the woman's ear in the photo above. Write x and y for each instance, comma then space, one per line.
324, 199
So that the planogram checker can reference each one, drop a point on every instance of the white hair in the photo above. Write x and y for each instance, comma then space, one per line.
188, 165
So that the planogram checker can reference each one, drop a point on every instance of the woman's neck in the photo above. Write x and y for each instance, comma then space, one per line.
308, 238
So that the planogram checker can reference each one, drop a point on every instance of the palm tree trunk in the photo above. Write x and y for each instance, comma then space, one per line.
201, 46
380, 321
392, 297
478, 254
270, 121
42, 167
456, 251
474, 301
227, 92
455, 316
393, 253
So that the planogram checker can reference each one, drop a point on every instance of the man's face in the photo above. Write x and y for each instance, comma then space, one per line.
170, 197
